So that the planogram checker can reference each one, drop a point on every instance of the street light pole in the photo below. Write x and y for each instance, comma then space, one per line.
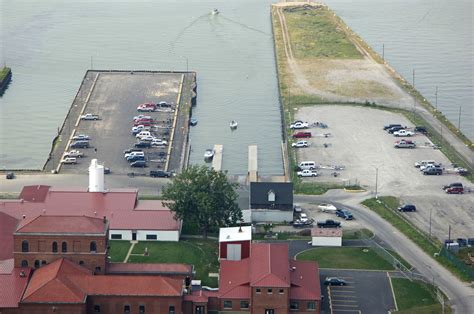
431, 209
436, 98
376, 181
459, 119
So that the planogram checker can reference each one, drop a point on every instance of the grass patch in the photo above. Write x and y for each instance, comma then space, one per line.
346, 258
357, 234
386, 206
118, 250
201, 253
311, 188
4, 72
149, 197
429, 309
412, 294
9, 196
314, 32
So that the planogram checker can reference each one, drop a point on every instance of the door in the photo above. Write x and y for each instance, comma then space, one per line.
199, 309
234, 252
134, 236
269, 311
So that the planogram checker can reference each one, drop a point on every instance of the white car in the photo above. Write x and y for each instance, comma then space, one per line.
159, 142
69, 160
299, 125
403, 132
300, 144
326, 207
142, 134
307, 173
90, 116
141, 116
303, 217
148, 138
74, 153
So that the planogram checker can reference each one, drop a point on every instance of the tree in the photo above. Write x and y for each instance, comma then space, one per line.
203, 197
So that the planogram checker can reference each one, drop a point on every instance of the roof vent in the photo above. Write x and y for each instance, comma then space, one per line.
44, 210
240, 229
24, 216
228, 236
22, 200
22, 274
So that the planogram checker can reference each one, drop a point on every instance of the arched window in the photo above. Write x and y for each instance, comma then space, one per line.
37, 264
64, 247
24, 263
55, 247
25, 246
93, 247
171, 310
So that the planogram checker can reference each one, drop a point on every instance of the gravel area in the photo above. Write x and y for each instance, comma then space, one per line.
358, 142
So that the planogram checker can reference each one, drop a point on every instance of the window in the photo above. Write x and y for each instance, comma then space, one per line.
25, 246
81, 262
244, 304
269, 311
126, 309
227, 304
37, 264
151, 237
294, 305
96, 308
54, 247
24, 263
271, 196
311, 306
116, 236
258, 290
64, 247
97, 269
281, 291
43, 263
269, 291
93, 247
171, 310
141, 309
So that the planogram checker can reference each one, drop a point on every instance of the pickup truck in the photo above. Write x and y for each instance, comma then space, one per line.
69, 160
90, 116
307, 173
403, 132
329, 223
404, 144
74, 153
299, 125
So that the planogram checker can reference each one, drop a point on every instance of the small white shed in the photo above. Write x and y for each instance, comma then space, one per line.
326, 237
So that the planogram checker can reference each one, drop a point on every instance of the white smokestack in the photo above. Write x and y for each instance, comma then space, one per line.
96, 177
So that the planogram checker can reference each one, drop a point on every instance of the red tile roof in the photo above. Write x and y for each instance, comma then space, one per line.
121, 207
304, 281
12, 286
160, 269
7, 227
65, 282
34, 193
232, 276
269, 266
63, 225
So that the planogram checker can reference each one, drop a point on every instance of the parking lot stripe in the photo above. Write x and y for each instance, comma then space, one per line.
352, 311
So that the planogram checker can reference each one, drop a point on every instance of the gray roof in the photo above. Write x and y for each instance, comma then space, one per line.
283, 195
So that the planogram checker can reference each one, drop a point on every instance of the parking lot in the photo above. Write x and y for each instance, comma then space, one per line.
357, 142
365, 292
114, 98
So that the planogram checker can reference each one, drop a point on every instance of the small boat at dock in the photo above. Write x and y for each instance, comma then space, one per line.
233, 124
208, 154
215, 12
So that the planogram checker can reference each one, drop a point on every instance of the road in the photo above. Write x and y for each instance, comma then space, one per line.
460, 294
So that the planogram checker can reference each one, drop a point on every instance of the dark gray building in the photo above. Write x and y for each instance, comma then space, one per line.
271, 201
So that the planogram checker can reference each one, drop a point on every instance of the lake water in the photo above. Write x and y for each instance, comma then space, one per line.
50, 44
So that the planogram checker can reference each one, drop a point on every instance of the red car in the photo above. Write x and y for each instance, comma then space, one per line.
144, 120
455, 190
146, 107
144, 123
302, 135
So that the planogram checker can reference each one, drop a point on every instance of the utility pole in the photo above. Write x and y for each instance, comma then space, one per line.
459, 119
436, 98
376, 181
449, 233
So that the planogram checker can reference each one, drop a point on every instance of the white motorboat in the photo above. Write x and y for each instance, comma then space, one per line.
233, 124
215, 12
208, 154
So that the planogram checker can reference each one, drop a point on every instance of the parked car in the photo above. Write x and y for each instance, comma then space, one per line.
69, 160
453, 185
107, 170
347, 215
300, 144
135, 158
132, 150
90, 116
80, 144
138, 164
303, 217
143, 134
81, 137
334, 281
141, 116
142, 145
160, 174
433, 171
144, 123
325, 207
193, 122
455, 190
403, 132
148, 138
144, 120
307, 173
329, 223
159, 142
389, 126
299, 125
302, 135
421, 129
418, 164
404, 144
407, 208
137, 129
146, 107
427, 166
134, 153
10, 176
395, 129
74, 153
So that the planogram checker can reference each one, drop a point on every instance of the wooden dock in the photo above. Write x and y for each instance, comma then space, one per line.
253, 165
217, 160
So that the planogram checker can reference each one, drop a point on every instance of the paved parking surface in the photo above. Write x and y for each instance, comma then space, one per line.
115, 98
365, 292
358, 142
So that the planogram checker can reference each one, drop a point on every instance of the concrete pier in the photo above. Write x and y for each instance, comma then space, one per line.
253, 165
217, 160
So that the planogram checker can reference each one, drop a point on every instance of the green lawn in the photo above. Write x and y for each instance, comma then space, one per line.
201, 253
317, 33
355, 234
118, 250
412, 294
345, 258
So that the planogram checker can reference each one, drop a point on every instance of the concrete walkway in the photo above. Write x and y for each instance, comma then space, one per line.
130, 251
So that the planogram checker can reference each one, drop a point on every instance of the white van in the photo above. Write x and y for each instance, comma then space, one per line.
134, 154
307, 165
418, 164
143, 134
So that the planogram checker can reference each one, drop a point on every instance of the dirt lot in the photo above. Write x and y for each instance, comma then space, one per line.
358, 142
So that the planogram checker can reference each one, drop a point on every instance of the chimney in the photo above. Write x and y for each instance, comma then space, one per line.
96, 177
240, 229
24, 216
